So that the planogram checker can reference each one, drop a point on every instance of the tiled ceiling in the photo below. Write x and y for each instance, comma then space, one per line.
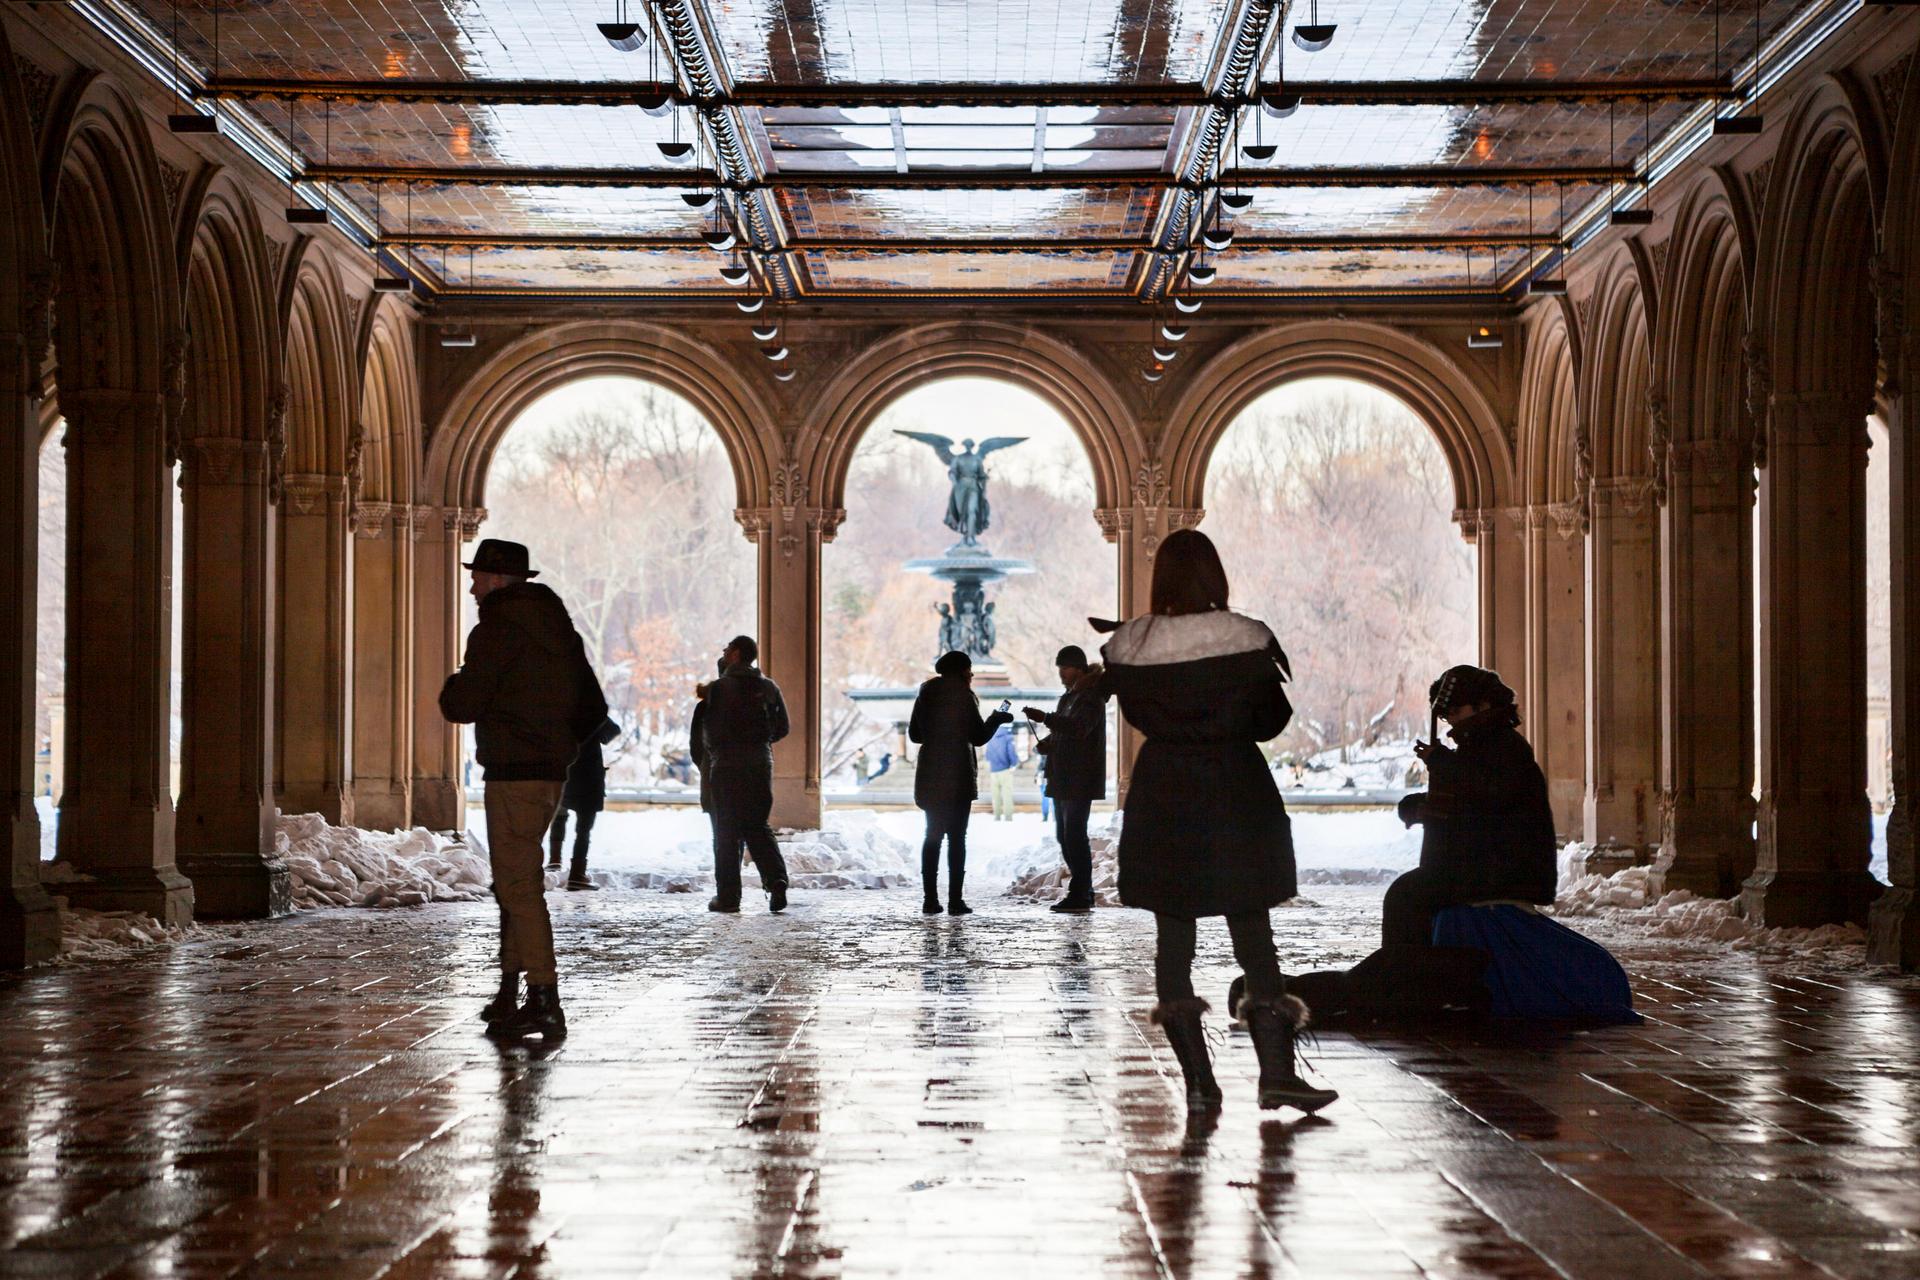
1061, 148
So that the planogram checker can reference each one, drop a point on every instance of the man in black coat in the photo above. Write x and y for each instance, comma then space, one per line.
1076, 754
531, 696
745, 716
947, 724
585, 794
1489, 826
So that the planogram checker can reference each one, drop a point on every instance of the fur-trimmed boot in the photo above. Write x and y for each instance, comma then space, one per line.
505, 1001
1276, 1024
1180, 1020
577, 875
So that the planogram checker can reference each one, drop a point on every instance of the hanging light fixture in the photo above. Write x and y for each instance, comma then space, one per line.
1616, 216
783, 375
1174, 333
620, 33
184, 120
1201, 274
1217, 239
1553, 285
1164, 356
1276, 101
1314, 35
388, 283
453, 338
675, 149
719, 239
1738, 126
302, 214
1186, 306
775, 354
750, 305
765, 332
734, 273
1484, 338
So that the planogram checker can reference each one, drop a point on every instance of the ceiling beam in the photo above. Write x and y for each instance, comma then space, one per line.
1011, 244
982, 179
826, 96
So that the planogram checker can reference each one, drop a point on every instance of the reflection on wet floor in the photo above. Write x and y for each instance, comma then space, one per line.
853, 1090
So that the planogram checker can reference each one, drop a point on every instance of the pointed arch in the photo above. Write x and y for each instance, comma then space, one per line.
390, 407
233, 351
317, 363
1549, 410
1704, 321
1616, 375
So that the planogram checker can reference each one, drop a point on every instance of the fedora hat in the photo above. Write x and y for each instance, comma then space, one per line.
497, 555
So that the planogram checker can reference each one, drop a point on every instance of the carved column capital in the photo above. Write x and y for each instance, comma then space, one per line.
370, 518
1758, 367
224, 460
1703, 462
1889, 321
100, 415
1150, 486
1114, 521
1659, 437
1569, 518
1621, 496
469, 520
1818, 418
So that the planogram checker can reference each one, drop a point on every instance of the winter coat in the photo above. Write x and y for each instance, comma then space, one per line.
525, 687
745, 716
1489, 827
697, 748
1206, 833
1002, 755
1076, 747
586, 789
946, 723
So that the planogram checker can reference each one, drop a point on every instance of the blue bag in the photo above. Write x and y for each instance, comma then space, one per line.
1537, 967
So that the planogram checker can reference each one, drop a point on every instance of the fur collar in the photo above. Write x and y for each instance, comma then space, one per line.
1089, 678
1157, 641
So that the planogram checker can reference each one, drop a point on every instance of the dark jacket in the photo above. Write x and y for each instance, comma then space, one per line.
1076, 745
586, 789
697, 748
745, 716
1205, 832
946, 722
1489, 826
525, 687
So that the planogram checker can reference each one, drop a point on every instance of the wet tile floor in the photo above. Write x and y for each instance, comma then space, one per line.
851, 1090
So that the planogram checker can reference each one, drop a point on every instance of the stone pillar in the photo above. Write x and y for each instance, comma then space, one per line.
29, 924
1137, 533
1555, 693
382, 669
116, 813
1706, 666
225, 825
1815, 824
1622, 712
789, 538
1497, 535
439, 801
313, 721
1895, 918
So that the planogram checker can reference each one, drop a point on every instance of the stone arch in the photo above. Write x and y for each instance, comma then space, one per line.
1703, 322
1028, 358
232, 354
1430, 383
390, 408
1549, 411
1616, 375
317, 363
478, 414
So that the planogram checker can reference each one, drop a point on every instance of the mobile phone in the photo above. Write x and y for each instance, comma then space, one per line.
1006, 704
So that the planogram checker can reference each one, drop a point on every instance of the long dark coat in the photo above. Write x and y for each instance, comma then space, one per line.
1076, 742
947, 724
1488, 823
745, 716
586, 789
1205, 833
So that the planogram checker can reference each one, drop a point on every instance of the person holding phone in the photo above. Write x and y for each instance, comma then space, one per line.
1075, 750
947, 724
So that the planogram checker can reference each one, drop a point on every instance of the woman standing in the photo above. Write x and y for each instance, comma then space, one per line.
1206, 833
947, 724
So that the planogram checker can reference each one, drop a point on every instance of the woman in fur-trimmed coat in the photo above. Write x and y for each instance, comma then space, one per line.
1206, 833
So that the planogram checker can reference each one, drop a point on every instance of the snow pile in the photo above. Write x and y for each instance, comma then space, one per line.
1040, 876
347, 867
852, 851
1628, 896
1384, 766
113, 935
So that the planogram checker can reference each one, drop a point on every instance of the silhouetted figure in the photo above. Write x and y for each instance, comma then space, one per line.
585, 794
745, 716
1206, 833
947, 724
530, 694
1075, 751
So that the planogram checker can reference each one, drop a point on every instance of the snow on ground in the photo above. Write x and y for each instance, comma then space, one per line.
1384, 766
113, 935
346, 867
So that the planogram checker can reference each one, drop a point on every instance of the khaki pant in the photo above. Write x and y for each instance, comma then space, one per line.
1002, 785
518, 814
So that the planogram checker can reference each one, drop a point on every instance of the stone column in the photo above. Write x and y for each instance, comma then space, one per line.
313, 721
1137, 533
1621, 819
1555, 694
29, 924
789, 537
1497, 535
1815, 824
439, 801
1706, 669
1895, 918
382, 670
225, 825
116, 813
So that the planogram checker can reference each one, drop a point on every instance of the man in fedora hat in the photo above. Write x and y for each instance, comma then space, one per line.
532, 698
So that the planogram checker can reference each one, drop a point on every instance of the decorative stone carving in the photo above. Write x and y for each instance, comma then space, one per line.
369, 519
826, 521
1758, 182
1759, 380
1889, 321
1150, 487
1113, 521
1582, 474
174, 376
1658, 252
1569, 518
1659, 438
1890, 84
172, 179
277, 442
1621, 495
356, 446
1703, 462
307, 495
753, 522
276, 258
221, 460
789, 485
36, 320
471, 518
36, 85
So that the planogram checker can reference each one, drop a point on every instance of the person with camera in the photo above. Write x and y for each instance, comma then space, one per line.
745, 716
531, 696
947, 724
1075, 750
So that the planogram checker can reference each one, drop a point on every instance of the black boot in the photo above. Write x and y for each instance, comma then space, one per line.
577, 874
777, 898
505, 1001
1276, 1023
554, 843
731, 908
1180, 1020
539, 1016
930, 905
956, 880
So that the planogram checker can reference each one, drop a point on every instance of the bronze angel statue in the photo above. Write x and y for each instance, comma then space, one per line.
967, 510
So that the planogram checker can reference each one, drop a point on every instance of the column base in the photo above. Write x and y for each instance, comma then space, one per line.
1708, 838
1893, 929
29, 927
335, 804
1804, 899
380, 806
161, 892
238, 886
796, 806
439, 804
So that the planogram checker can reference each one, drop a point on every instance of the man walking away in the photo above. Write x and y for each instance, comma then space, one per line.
745, 716
1076, 754
1002, 758
586, 794
529, 693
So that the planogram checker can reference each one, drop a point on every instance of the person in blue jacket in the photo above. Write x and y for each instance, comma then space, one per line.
1002, 758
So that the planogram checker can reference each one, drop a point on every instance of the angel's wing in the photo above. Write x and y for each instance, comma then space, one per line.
991, 443
942, 445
